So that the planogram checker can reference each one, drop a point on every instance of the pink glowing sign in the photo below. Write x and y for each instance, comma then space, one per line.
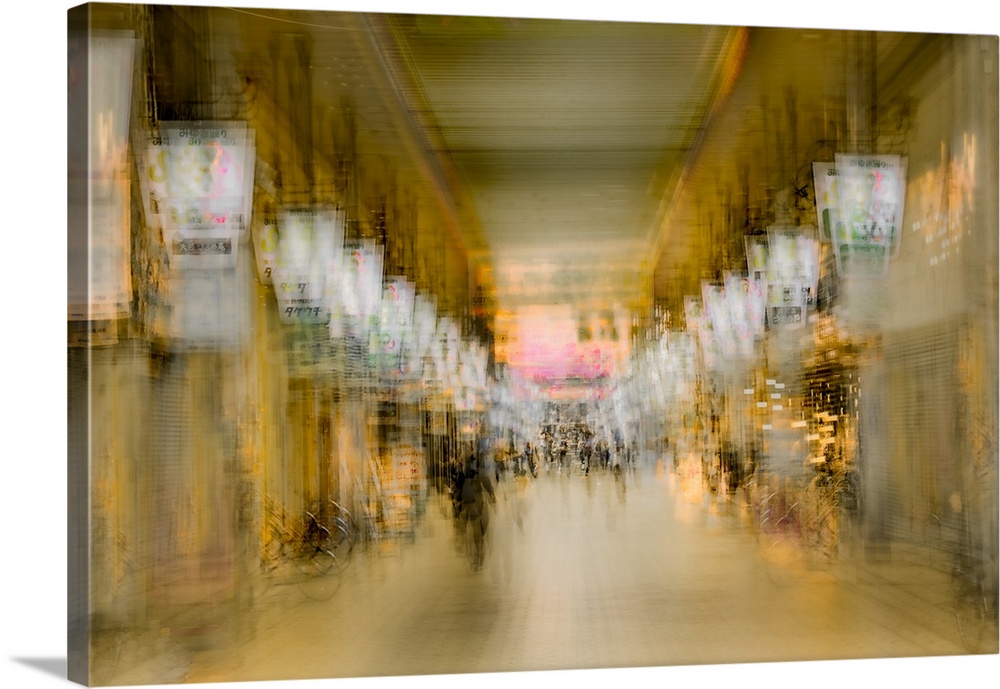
555, 342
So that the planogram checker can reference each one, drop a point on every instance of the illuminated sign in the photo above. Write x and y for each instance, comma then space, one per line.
98, 265
793, 275
558, 342
827, 199
692, 312
197, 181
394, 324
264, 234
871, 191
717, 313
746, 313
361, 285
309, 246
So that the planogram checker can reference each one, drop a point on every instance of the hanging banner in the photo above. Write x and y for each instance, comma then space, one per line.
361, 283
433, 368
465, 382
717, 312
201, 174
758, 264
264, 236
793, 275
871, 191
758, 258
711, 351
310, 241
742, 314
394, 324
198, 189
700, 326
469, 367
397, 308
480, 363
420, 343
756, 304
98, 264
451, 340
692, 313
827, 199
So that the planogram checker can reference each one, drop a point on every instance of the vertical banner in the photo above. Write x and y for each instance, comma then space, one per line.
758, 265
463, 380
717, 313
827, 199
310, 241
692, 313
264, 236
371, 279
451, 340
433, 369
794, 275
700, 325
871, 191
758, 257
711, 351
756, 304
100, 87
420, 344
394, 324
742, 315
198, 186
361, 283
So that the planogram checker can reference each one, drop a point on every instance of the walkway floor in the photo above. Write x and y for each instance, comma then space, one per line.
582, 572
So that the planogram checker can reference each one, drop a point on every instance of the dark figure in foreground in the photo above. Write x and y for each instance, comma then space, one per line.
474, 491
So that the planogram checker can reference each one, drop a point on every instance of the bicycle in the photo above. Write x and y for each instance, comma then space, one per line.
779, 536
828, 500
344, 532
308, 551
975, 605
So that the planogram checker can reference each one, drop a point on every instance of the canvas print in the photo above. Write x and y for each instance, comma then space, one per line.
424, 344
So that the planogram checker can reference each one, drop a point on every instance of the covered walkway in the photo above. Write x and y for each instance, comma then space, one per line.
599, 573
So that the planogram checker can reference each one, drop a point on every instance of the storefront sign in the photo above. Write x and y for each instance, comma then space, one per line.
310, 243
700, 325
692, 313
717, 313
758, 259
793, 275
100, 89
394, 324
361, 286
746, 315
871, 191
198, 189
827, 199
421, 337
264, 235
711, 351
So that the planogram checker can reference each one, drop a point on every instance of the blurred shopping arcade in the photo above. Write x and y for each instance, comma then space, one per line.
322, 256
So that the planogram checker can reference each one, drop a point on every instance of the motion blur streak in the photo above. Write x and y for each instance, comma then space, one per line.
407, 344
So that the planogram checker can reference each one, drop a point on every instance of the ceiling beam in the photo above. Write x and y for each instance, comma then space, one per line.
728, 69
405, 100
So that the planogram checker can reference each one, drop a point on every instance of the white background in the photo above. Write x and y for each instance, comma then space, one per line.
33, 587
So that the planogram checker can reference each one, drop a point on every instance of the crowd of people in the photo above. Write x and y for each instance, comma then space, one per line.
472, 482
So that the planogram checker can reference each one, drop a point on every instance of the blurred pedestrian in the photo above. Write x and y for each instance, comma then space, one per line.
476, 491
